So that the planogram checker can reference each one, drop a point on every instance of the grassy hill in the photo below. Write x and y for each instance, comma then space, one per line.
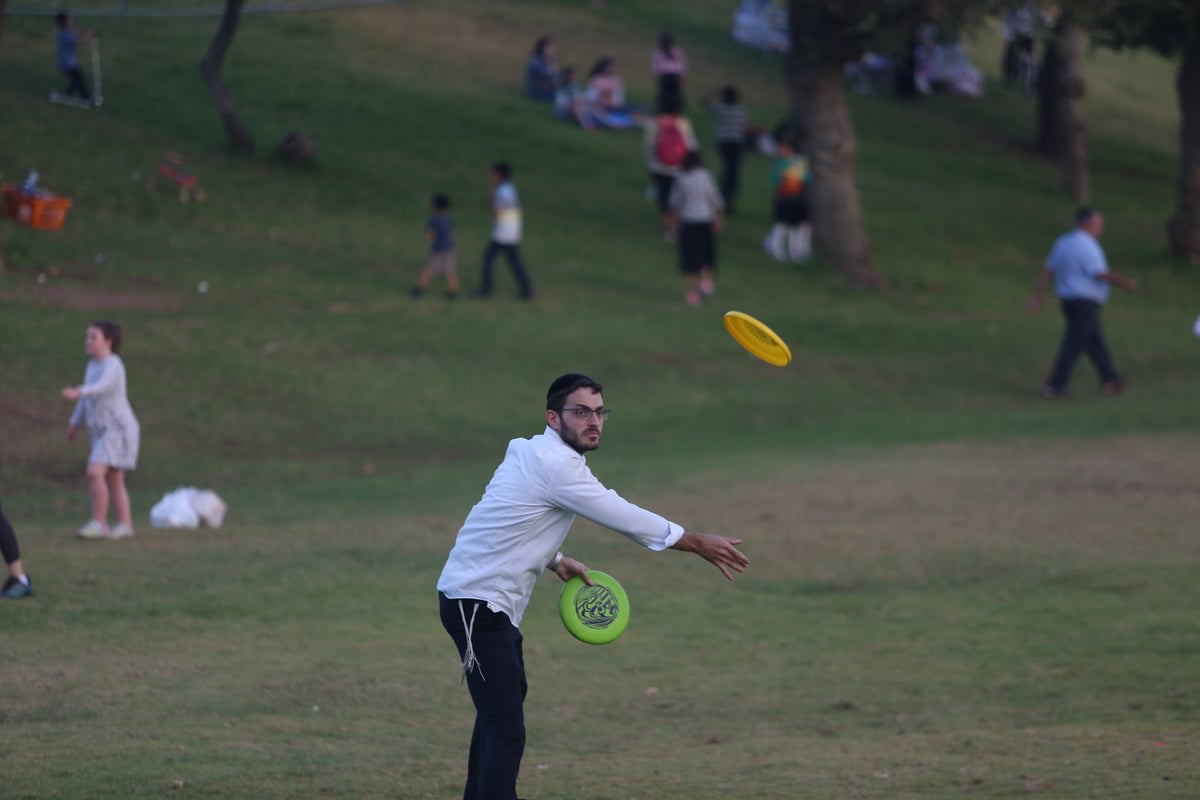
958, 588
307, 351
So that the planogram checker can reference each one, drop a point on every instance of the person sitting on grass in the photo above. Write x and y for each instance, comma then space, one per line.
68, 55
606, 97
442, 256
570, 101
541, 70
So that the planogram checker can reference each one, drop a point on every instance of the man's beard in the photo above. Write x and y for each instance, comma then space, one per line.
574, 440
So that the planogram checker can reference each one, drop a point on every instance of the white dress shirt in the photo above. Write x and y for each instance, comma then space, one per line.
522, 520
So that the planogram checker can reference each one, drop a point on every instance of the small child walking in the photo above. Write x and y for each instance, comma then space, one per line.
697, 209
443, 258
791, 235
103, 406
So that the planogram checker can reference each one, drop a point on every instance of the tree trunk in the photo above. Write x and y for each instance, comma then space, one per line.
1183, 229
1073, 160
1061, 128
210, 68
819, 111
1047, 138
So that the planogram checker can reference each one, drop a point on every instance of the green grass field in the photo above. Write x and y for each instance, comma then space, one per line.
957, 589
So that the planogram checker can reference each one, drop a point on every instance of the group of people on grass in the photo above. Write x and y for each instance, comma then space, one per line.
693, 206
597, 101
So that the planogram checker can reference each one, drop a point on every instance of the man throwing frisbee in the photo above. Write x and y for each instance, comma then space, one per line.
513, 534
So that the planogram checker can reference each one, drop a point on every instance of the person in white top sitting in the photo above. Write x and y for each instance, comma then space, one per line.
512, 535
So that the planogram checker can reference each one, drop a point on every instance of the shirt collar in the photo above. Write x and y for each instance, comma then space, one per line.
553, 434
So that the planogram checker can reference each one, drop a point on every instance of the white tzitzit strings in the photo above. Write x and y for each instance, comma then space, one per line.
470, 662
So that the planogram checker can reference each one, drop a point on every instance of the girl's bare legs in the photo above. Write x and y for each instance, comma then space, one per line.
98, 489
120, 496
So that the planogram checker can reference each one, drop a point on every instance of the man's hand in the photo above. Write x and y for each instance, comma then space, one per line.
71, 393
720, 551
71, 432
1034, 303
1128, 284
568, 568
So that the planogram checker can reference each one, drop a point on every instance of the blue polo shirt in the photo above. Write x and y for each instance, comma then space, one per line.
68, 57
1077, 262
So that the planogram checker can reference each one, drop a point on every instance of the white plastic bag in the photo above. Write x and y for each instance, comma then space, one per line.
209, 508
175, 510
188, 507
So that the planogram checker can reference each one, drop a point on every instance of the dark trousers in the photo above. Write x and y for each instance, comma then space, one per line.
513, 255
77, 83
8, 541
731, 171
498, 686
663, 183
1083, 335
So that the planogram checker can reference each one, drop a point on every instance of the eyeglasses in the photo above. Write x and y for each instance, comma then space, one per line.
584, 413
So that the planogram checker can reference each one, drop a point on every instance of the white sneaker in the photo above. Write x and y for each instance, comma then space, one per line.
120, 531
94, 529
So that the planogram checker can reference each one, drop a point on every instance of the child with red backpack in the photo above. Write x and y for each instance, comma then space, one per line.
791, 235
667, 139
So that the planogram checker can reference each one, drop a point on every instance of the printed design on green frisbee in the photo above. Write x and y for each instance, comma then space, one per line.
595, 614
596, 606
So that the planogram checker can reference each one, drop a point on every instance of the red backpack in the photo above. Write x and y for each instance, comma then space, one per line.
670, 146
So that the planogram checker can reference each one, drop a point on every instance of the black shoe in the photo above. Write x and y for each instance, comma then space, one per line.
527, 295
417, 291
451, 295
14, 589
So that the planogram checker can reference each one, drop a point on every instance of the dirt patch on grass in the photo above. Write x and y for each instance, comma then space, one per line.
918, 509
97, 298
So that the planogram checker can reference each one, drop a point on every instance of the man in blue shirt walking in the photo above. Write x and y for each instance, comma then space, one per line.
1081, 281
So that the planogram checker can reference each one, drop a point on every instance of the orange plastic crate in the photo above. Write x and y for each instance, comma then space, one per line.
43, 213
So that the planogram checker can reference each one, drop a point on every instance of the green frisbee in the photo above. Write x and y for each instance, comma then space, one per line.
594, 614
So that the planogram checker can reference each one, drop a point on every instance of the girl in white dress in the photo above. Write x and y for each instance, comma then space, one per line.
103, 406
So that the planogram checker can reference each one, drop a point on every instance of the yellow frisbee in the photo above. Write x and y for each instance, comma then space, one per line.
759, 340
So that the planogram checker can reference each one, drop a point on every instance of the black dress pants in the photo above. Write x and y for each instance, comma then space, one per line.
497, 684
